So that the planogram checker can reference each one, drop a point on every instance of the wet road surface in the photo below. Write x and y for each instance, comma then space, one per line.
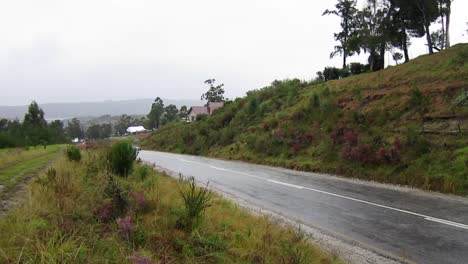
397, 222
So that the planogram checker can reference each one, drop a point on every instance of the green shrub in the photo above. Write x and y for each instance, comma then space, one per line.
73, 153
141, 172
196, 200
119, 201
121, 158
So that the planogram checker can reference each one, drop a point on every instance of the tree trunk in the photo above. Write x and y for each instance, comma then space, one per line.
428, 36
404, 42
405, 49
382, 57
420, 6
344, 58
447, 24
442, 21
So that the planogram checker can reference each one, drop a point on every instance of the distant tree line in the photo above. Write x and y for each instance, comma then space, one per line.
160, 114
33, 130
383, 26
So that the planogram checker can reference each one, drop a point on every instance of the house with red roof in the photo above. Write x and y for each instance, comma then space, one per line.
208, 109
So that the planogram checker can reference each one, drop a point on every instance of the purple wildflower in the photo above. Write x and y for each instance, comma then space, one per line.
140, 260
126, 227
139, 200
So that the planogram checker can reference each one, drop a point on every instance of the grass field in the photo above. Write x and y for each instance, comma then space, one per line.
65, 219
15, 164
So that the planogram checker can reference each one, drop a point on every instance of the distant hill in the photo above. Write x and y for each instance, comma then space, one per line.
407, 124
92, 109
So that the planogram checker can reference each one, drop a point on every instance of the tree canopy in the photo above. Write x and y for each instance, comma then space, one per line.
214, 93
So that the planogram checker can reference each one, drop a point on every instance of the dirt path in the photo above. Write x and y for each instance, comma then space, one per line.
10, 198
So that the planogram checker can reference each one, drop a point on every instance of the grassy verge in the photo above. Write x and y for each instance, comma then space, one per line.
71, 216
15, 164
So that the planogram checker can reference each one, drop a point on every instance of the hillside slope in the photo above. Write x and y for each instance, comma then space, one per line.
407, 125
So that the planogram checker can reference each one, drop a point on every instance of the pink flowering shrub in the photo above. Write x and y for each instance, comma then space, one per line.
104, 212
139, 201
126, 227
362, 153
140, 260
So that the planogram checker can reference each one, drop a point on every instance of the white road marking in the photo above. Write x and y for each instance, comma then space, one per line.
286, 184
216, 168
426, 217
442, 221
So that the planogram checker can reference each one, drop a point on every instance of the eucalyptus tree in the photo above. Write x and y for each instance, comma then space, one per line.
346, 10
215, 93
155, 114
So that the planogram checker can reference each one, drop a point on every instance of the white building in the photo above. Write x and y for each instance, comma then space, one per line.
136, 129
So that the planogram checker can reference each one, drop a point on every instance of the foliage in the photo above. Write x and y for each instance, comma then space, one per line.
58, 224
32, 131
351, 127
155, 114
73, 153
126, 121
171, 114
99, 131
74, 129
214, 93
346, 10
121, 157
196, 201
183, 112
126, 227
382, 26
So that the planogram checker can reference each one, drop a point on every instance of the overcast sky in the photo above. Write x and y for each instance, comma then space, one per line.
94, 50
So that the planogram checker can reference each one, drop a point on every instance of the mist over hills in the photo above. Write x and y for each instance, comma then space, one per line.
92, 109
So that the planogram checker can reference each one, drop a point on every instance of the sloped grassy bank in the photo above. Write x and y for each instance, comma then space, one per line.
406, 125
79, 212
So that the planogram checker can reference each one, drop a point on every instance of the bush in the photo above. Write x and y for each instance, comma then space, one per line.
73, 153
141, 172
196, 200
117, 197
121, 158
361, 153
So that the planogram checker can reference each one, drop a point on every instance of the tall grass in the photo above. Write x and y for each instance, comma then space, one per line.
196, 201
59, 222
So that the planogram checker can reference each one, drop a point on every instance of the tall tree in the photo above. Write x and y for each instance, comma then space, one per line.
214, 93
171, 114
124, 122
35, 125
442, 36
97, 131
155, 114
429, 11
183, 112
346, 10
57, 132
397, 28
74, 129
375, 31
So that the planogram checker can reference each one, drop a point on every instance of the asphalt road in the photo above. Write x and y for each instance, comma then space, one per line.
398, 222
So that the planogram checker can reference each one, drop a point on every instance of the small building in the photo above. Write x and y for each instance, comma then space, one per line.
203, 110
136, 130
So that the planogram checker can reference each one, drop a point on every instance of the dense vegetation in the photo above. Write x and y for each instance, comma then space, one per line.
406, 125
32, 131
80, 212
388, 25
